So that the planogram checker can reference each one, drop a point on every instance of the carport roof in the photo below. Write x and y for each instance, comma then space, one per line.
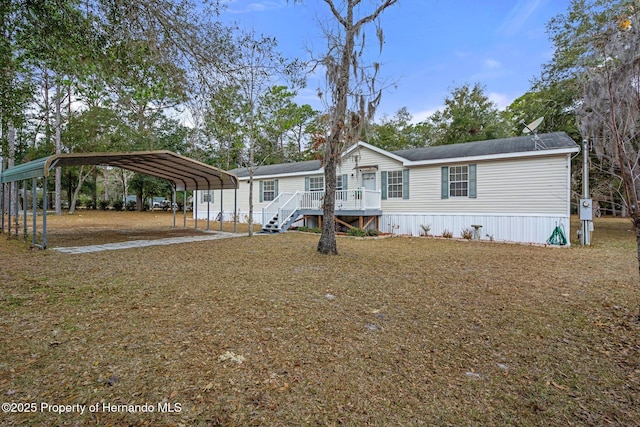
183, 172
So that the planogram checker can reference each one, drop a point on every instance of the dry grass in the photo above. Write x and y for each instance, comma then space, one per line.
396, 331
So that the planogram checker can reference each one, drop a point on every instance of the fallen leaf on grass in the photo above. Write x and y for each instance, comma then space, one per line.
236, 358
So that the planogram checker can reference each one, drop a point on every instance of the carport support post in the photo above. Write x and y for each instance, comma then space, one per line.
173, 205
208, 206
195, 207
24, 210
184, 209
44, 213
221, 209
2, 204
34, 206
9, 212
235, 210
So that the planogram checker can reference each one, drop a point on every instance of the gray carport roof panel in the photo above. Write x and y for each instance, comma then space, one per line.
185, 173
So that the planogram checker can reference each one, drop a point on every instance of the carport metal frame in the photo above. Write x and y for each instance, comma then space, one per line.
183, 173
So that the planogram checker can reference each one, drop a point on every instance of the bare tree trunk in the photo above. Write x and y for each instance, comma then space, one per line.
105, 172
13, 187
327, 243
251, 167
58, 177
76, 192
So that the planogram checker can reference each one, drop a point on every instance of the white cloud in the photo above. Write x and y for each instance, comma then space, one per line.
242, 6
421, 116
501, 100
518, 16
492, 63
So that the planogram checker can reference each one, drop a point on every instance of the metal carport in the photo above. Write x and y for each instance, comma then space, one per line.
183, 173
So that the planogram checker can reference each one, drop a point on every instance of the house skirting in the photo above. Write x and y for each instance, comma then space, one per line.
499, 227
515, 227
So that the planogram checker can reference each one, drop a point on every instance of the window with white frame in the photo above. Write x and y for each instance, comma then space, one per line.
338, 182
394, 184
206, 196
268, 190
459, 181
316, 183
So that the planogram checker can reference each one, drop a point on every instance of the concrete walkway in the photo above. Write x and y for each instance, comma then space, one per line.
144, 243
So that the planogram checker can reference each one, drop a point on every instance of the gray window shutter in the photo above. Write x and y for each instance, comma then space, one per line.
445, 183
345, 180
472, 181
405, 183
275, 188
306, 183
261, 192
383, 178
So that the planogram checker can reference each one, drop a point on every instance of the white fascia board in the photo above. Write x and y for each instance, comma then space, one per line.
375, 149
284, 175
555, 152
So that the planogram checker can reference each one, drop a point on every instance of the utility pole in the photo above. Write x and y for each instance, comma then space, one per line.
586, 204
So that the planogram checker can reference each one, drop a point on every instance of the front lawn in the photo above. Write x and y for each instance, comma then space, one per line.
265, 331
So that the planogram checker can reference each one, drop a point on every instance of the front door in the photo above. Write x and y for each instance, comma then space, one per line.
369, 181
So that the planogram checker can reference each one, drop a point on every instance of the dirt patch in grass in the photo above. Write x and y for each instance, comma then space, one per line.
265, 331
87, 227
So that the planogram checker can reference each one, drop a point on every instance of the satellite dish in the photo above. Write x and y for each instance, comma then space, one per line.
533, 126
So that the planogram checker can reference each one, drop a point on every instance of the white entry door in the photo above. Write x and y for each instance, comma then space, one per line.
369, 181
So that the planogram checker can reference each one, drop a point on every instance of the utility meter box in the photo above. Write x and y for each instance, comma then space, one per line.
586, 210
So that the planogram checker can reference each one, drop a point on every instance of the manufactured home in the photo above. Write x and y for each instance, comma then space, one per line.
513, 189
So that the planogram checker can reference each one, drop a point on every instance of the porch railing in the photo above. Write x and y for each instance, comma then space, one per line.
285, 204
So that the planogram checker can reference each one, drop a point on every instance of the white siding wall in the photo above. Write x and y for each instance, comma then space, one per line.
525, 186
286, 184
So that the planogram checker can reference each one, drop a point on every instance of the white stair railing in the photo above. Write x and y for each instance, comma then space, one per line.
272, 209
286, 204
288, 208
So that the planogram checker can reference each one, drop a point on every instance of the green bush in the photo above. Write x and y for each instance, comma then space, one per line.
373, 232
309, 230
104, 205
357, 232
131, 205
118, 205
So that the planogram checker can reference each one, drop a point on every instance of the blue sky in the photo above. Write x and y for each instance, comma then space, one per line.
431, 46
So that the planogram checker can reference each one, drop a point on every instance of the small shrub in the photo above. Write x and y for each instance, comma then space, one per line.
426, 229
373, 232
467, 233
309, 230
118, 205
131, 205
104, 204
447, 234
356, 232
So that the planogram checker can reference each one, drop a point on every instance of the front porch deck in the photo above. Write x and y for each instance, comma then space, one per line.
360, 205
